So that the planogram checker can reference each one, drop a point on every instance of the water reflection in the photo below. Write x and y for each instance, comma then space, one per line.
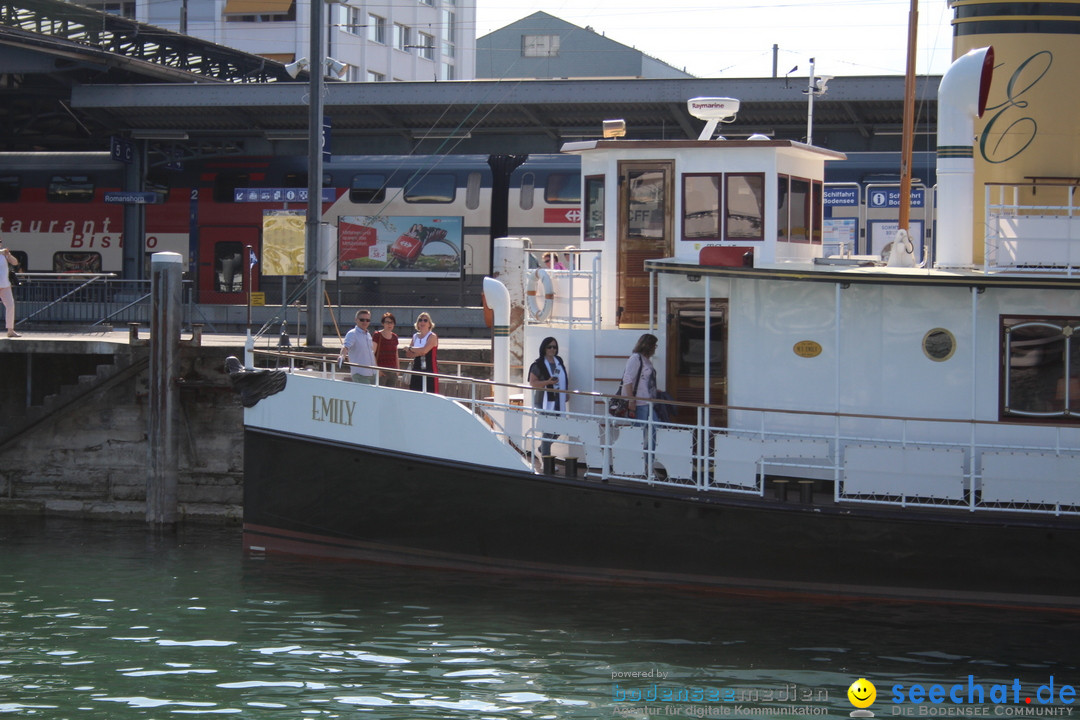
104, 620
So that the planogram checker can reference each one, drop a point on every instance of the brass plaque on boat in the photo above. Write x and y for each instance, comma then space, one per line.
807, 348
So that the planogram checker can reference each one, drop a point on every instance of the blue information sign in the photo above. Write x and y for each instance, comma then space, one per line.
121, 149
890, 198
133, 198
279, 195
841, 196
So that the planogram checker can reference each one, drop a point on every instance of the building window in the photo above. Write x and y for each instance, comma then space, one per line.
540, 45
259, 11
1041, 365
447, 72
355, 22
355, 74
427, 46
376, 31
373, 76
449, 34
401, 37
429, 3
744, 209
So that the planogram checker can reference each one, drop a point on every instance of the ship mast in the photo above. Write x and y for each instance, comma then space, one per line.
908, 137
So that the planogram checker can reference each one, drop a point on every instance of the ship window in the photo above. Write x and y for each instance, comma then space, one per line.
646, 207
367, 188
782, 208
1041, 365
563, 188
594, 207
939, 344
799, 217
431, 189
744, 210
71, 189
701, 207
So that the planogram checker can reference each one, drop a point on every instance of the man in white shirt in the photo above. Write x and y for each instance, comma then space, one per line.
360, 349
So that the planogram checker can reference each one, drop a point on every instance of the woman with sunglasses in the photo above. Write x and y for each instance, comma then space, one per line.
546, 374
423, 352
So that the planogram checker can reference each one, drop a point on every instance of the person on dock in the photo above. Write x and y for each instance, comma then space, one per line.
422, 350
547, 374
6, 295
360, 349
386, 350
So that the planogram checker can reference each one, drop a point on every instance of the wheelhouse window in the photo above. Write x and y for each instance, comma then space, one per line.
431, 189
744, 210
646, 205
594, 207
1041, 366
71, 189
701, 207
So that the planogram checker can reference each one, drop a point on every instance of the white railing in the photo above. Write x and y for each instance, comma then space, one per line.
1033, 227
577, 288
899, 461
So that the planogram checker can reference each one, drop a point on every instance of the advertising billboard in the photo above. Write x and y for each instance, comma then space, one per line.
409, 246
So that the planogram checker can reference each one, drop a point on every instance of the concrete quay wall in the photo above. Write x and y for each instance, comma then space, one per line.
74, 425
90, 458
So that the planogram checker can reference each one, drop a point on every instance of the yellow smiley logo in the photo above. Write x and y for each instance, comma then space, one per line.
862, 693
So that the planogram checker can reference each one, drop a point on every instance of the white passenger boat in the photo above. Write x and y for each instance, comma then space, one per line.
898, 426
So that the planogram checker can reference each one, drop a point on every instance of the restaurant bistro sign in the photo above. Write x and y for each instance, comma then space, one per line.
807, 349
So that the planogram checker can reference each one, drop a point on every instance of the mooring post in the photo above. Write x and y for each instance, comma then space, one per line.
165, 311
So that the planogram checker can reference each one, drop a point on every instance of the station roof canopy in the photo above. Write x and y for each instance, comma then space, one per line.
72, 77
857, 113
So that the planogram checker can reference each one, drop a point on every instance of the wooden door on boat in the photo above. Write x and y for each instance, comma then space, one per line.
646, 198
686, 355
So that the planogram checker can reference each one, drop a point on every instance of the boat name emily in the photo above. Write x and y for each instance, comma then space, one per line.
332, 410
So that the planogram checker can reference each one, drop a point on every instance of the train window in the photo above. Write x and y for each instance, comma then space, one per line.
563, 188
431, 189
71, 189
23, 260
472, 191
225, 184
701, 207
158, 181
367, 188
9, 188
528, 186
76, 262
744, 199
297, 180
229, 267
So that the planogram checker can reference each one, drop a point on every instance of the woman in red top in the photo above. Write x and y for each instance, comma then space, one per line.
386, 350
